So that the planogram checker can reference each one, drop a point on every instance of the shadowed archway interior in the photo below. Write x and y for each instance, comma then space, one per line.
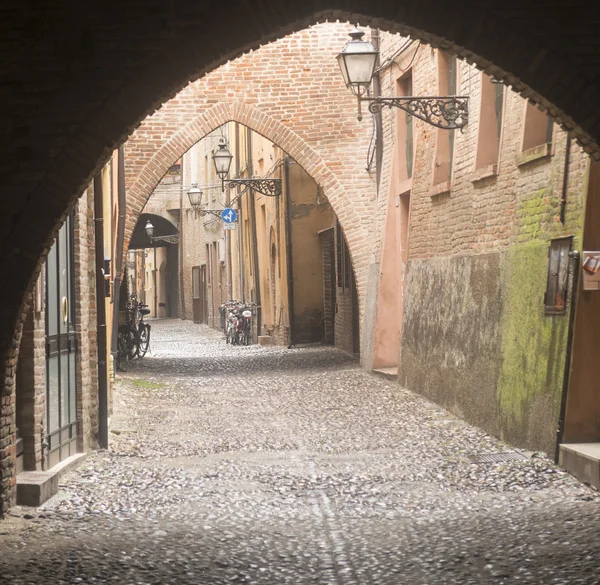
79, 78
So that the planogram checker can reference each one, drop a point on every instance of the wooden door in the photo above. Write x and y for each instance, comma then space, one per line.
196, 295
203, 294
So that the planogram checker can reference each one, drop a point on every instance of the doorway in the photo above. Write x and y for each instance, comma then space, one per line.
61, 349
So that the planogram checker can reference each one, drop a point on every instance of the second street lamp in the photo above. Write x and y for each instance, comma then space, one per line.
171, 239
357, 63
195, 196
222, 161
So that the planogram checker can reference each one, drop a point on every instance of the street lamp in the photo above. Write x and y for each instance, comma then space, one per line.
357, 63
195, 196
222, 161
172, 239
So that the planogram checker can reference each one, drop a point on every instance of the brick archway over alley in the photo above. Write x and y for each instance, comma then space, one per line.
79, 78
289, 92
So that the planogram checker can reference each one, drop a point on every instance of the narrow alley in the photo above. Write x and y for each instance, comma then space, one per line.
267, 465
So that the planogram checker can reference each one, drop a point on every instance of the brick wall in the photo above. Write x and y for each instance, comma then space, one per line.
327, 249
85, 322
475, 338
31, 387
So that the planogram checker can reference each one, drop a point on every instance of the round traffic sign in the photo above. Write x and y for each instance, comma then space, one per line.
229, 215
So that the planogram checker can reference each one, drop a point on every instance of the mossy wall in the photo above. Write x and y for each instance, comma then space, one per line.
532, 351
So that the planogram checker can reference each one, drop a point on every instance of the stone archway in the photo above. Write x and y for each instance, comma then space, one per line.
97, 73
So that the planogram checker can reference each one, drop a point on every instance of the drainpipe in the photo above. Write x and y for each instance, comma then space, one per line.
288, 248
181, 291
155, 279
560, 431
240, 222
378, 117
254, 236
120, 243
101, 313
563, 199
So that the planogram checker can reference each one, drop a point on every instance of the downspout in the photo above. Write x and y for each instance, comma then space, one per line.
181, 291
240, 222
101, 313
378, 117
254, 236
120, 243
155, 284
288, 248
560, 431
565, 185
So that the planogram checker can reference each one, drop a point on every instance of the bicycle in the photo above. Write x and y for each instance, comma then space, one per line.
122, 357
143, 329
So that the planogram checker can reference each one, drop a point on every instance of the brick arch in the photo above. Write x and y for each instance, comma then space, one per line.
78, 78
145, 181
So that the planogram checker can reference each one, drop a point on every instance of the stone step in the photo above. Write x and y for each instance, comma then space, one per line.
389, 373
582, 460
36, 487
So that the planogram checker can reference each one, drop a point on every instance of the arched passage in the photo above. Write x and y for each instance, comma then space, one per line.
289, 141
90, 92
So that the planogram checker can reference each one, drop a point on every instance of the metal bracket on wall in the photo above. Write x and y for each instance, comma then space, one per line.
447, 112
267, 187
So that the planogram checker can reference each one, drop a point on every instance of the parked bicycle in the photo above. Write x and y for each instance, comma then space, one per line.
238, 322
134, 335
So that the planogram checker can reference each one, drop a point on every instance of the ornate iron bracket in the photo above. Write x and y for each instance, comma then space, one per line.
447, 112
267, 187
172, 239
199, 211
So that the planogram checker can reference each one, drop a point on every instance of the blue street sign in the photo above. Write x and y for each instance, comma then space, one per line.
229, 215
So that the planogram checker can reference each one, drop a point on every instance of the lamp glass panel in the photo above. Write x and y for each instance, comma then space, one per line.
222, 159
195, 196
149, 229
342, 64
360, 67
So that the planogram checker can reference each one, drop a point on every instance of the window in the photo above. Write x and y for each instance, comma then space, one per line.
196, 282
444, 151
343, 262
537, 128
404, 130
555, 299
490, 123
208, 266
175, 169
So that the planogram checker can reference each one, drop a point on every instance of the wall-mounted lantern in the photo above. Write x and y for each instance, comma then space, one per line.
357, 63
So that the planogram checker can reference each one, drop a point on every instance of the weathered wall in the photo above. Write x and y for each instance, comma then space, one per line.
310, 213
475, 337
582, 422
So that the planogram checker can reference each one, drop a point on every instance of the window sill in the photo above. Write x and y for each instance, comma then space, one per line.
440, 189
404, 188
543, 151
483, 173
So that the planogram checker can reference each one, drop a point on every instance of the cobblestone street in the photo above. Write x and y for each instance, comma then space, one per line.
267, 465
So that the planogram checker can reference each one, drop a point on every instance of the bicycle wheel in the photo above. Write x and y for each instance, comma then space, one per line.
144, 340
122, 357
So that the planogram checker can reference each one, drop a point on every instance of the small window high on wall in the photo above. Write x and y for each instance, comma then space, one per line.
537, 128
344, 264
404, 130
490, 124
447, 66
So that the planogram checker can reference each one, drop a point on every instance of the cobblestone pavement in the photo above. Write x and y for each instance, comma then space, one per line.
275, 466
